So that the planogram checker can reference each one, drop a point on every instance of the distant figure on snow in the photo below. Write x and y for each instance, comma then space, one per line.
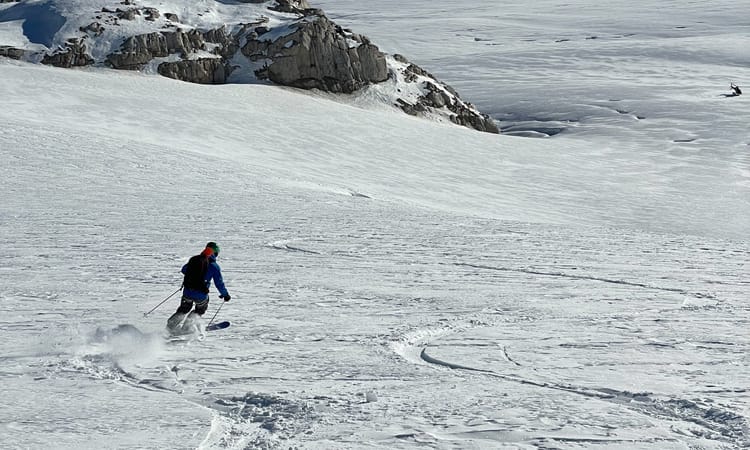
735, 89
199, 271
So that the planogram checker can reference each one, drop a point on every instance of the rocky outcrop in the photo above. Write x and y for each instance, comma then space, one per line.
94, 28
139, 50
11, 52
184, 43
314, 53
286, 41
436, 96
319, 54
150, 14
203, 71
74, 54
224, 44
291, 6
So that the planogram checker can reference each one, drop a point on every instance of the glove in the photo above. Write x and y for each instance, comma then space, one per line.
226, 297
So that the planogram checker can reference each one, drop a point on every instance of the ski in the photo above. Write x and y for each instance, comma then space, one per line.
218, 326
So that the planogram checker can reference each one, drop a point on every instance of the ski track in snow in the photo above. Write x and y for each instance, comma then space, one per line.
718, 424
590, 277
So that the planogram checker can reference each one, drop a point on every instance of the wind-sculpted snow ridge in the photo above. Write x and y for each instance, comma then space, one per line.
213, 42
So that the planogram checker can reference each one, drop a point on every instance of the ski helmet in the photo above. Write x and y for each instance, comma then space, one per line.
213, 246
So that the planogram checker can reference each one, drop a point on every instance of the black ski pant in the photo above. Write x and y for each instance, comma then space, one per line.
186, 304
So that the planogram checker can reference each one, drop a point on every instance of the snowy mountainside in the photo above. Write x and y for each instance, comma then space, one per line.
212, 42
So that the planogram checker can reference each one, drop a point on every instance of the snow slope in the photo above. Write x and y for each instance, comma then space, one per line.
396, 283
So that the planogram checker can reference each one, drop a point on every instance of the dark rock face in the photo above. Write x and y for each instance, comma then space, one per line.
94, 28
11, 52
137, 51
225, 44
184, 43
73, 55
203, 71
319, 54
469, 118
289, 6
128, 14
441, 96
463, 113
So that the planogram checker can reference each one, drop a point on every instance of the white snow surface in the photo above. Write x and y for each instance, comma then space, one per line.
396, 283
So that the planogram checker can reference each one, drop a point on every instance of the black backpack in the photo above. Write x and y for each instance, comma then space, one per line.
195, 274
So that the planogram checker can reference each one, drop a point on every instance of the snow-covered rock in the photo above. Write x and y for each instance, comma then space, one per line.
280, 41
319, 54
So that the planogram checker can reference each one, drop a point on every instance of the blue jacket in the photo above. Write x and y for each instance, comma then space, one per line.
212, 273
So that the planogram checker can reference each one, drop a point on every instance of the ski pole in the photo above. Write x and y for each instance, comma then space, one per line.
163, 301
215, 314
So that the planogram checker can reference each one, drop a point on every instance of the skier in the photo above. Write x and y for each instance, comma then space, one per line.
199, 271
735, 89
